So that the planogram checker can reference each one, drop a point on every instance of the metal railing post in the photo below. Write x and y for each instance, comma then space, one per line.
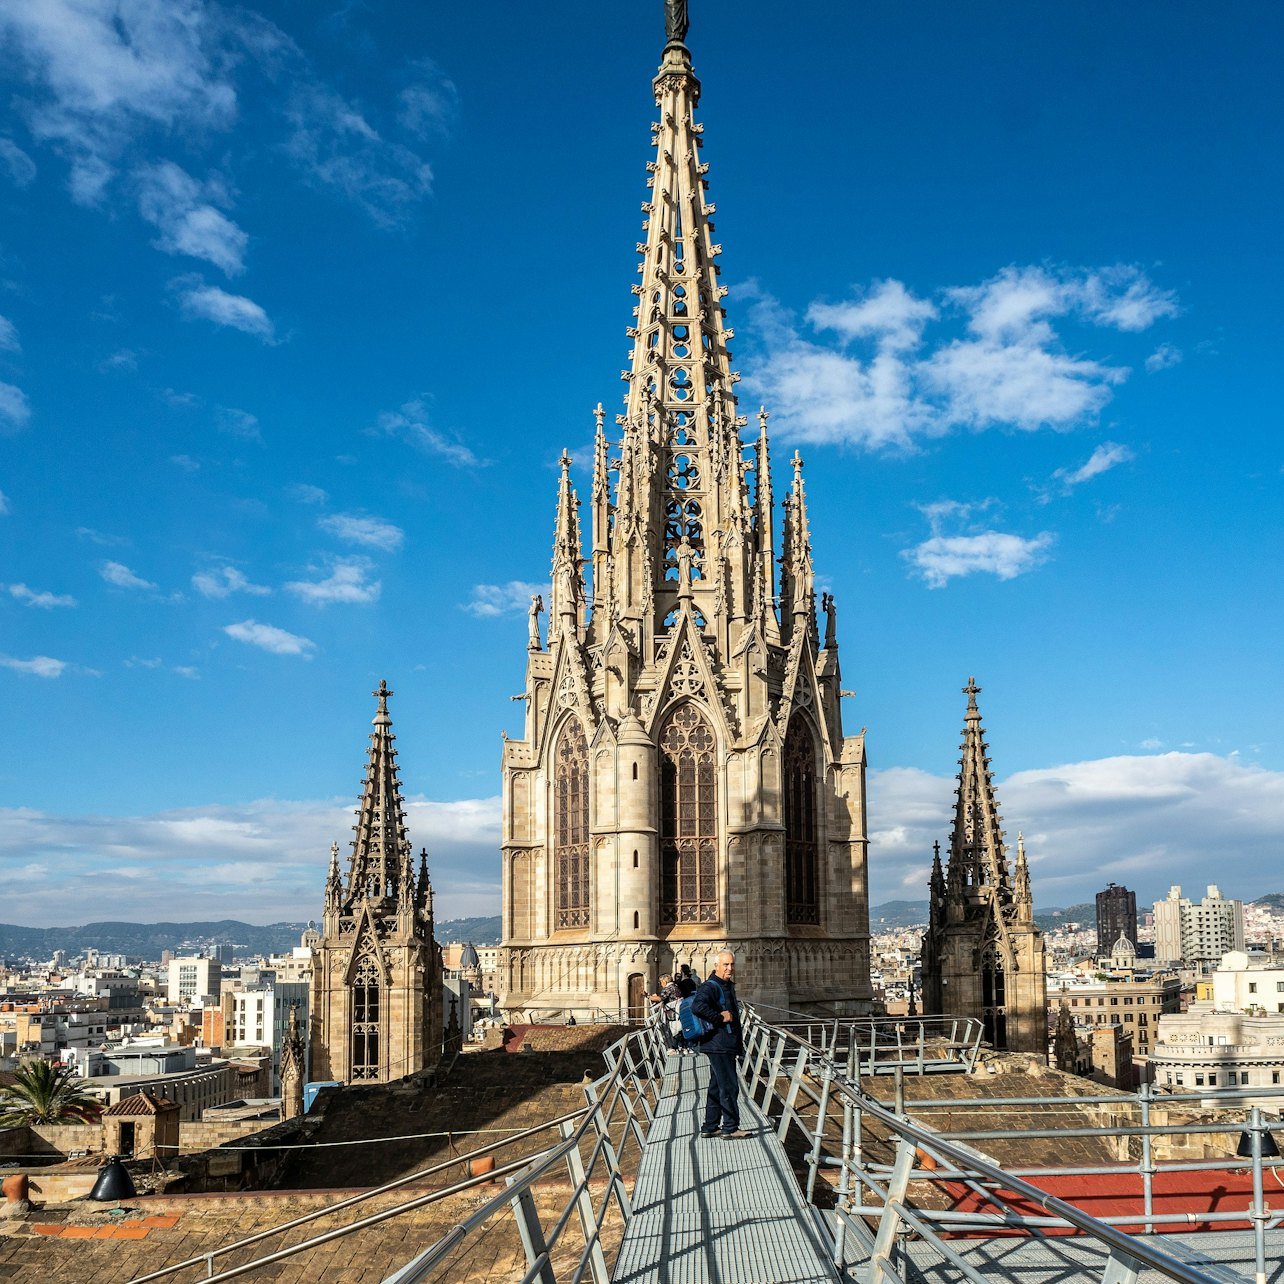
795, 1083
532, 1234
1145, 1096
1120, 1269
584, 1206
890, 1222
813, 1158
1258, 1212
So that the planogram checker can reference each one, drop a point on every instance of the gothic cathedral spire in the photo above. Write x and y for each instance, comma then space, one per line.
982, 954
376, 1000
683, 781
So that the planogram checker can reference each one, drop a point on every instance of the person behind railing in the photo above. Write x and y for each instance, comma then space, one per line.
715, 1002
686, 980
668, 998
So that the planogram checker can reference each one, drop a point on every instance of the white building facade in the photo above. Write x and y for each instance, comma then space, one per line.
1197, 935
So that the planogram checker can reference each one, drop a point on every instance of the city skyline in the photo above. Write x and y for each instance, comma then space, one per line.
299, 311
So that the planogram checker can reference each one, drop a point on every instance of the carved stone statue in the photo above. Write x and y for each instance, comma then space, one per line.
537, 605
675, 19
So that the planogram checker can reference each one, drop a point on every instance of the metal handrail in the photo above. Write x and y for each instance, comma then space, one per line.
786, 1069
537, 1245
353, 1200
605, 1096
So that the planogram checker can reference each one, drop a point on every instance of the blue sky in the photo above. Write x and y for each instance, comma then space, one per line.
299, 303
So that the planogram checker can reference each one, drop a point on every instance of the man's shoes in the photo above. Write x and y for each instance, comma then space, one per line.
734, 1136
709, 1132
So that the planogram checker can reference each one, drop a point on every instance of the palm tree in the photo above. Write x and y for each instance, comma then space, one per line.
42, 1093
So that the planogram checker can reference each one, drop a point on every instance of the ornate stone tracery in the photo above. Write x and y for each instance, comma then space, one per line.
376, 977
697, 667
688, 819
571, 821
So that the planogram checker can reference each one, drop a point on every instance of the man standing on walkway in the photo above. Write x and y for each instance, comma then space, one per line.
715, 1001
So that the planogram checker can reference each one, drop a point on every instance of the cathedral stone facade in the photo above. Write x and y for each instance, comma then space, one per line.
376, 999
982, 954
683, 783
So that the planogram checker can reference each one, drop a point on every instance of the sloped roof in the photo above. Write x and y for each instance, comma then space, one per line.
141, 1103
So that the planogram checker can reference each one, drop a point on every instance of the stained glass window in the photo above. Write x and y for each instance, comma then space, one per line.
571, 819
689, 819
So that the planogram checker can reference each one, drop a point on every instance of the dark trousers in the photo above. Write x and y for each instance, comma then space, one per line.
723, 1100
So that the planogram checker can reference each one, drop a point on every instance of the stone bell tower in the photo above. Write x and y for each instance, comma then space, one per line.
376, 1000
982, 954
683, 783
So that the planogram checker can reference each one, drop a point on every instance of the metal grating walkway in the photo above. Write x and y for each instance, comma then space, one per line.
1225, 1255
708, 1211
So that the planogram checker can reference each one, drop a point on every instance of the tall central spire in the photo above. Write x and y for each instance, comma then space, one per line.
683, 782
682, 502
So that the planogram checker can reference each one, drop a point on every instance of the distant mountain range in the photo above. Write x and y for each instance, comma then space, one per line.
146, 941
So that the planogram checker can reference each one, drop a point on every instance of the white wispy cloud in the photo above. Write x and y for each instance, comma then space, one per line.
1108, 455
121, 576
189, 222
124, 359
9, 336
961, 544
410, 423
222, 581
199, 301
336, 146
372, 532
15, 410
238, 423
346, 582
306, 494
500, 599
267, 637
1005, 556
427, 107
4, 504
264, 860
1146, 820
1011, 366
98, 75
42, 598
1163, 357
16, 163
155, 662
39, 666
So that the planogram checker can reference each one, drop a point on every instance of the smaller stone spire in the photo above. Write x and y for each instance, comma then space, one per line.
568, 580
379, 849
423, 897
798, 575
333, 882
1021, 896
977, 851
764, 525
293, 1067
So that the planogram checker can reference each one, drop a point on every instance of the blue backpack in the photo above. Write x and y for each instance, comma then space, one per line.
695, 1028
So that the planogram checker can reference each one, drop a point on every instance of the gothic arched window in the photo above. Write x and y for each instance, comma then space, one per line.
802, 884
994, 1014
365, 1019
688, 819
571, 819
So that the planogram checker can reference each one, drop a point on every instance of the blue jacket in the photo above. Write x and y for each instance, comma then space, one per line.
709, 1003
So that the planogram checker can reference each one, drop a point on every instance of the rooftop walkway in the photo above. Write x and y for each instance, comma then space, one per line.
708, 1211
